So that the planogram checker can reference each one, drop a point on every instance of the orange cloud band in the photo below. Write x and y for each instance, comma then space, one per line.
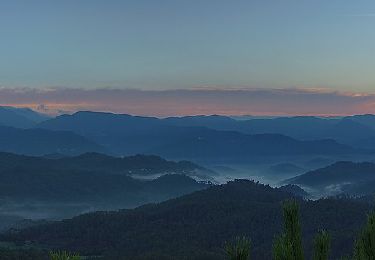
162, 103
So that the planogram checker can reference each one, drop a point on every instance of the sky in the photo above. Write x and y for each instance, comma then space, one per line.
205, 52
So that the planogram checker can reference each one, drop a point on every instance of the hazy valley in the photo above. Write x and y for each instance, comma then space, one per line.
94, 167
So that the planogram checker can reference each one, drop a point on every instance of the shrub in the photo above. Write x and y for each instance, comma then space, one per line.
239, 249
63, 255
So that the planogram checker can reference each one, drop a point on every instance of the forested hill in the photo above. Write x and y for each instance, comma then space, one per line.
38, 187
197, 225
342, 177
96, 162
39, 142
337, 173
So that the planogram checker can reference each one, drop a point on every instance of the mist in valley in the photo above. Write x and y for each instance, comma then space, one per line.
273, 171
182, 130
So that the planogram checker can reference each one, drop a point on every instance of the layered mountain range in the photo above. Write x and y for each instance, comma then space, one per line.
193, 137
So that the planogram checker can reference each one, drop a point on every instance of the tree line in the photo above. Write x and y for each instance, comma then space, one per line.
288, 245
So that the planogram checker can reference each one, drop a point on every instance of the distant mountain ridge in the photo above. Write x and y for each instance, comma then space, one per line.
192, 137
42, 141
300, 127
351, 130
177, 138
20, 117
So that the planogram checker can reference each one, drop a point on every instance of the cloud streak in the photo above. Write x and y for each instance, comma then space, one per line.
192, 101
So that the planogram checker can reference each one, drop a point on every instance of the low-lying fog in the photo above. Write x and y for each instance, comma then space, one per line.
273, 172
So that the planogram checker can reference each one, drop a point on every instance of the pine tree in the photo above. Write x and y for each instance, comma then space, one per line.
365, 245
63, 255
282, 248
289, 245
239, 249
322, 243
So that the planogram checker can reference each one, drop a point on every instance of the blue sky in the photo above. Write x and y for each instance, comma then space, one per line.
185, 57
174, 44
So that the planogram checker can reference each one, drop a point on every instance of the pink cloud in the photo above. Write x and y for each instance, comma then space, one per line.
192, 101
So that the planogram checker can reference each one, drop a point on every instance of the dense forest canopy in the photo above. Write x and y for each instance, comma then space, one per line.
199, 224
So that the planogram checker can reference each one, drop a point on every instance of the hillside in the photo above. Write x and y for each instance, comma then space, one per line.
198, 224
20, 117
351, 130
41, 141
368, 120
141, 165
340, 177
37, 187
212, 144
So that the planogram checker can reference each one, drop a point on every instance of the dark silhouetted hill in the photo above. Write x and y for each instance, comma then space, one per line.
142, 165
197, 225
37, 187
295, 190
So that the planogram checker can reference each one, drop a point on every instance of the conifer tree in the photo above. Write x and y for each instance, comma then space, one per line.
239, 249
289, 245
63, 255
365, 245
282, 248
322, 245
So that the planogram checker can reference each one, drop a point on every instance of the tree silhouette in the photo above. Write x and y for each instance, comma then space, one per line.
322, 243
239, 249
63, 255
365, 245
288, 245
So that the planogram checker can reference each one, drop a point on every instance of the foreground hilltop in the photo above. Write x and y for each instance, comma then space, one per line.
197, 225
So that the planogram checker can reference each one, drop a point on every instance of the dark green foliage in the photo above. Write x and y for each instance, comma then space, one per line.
64, 255
295, 190
282, 248
322, 243
365, 244
289, 245
293, 228
197, 225
239, 249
